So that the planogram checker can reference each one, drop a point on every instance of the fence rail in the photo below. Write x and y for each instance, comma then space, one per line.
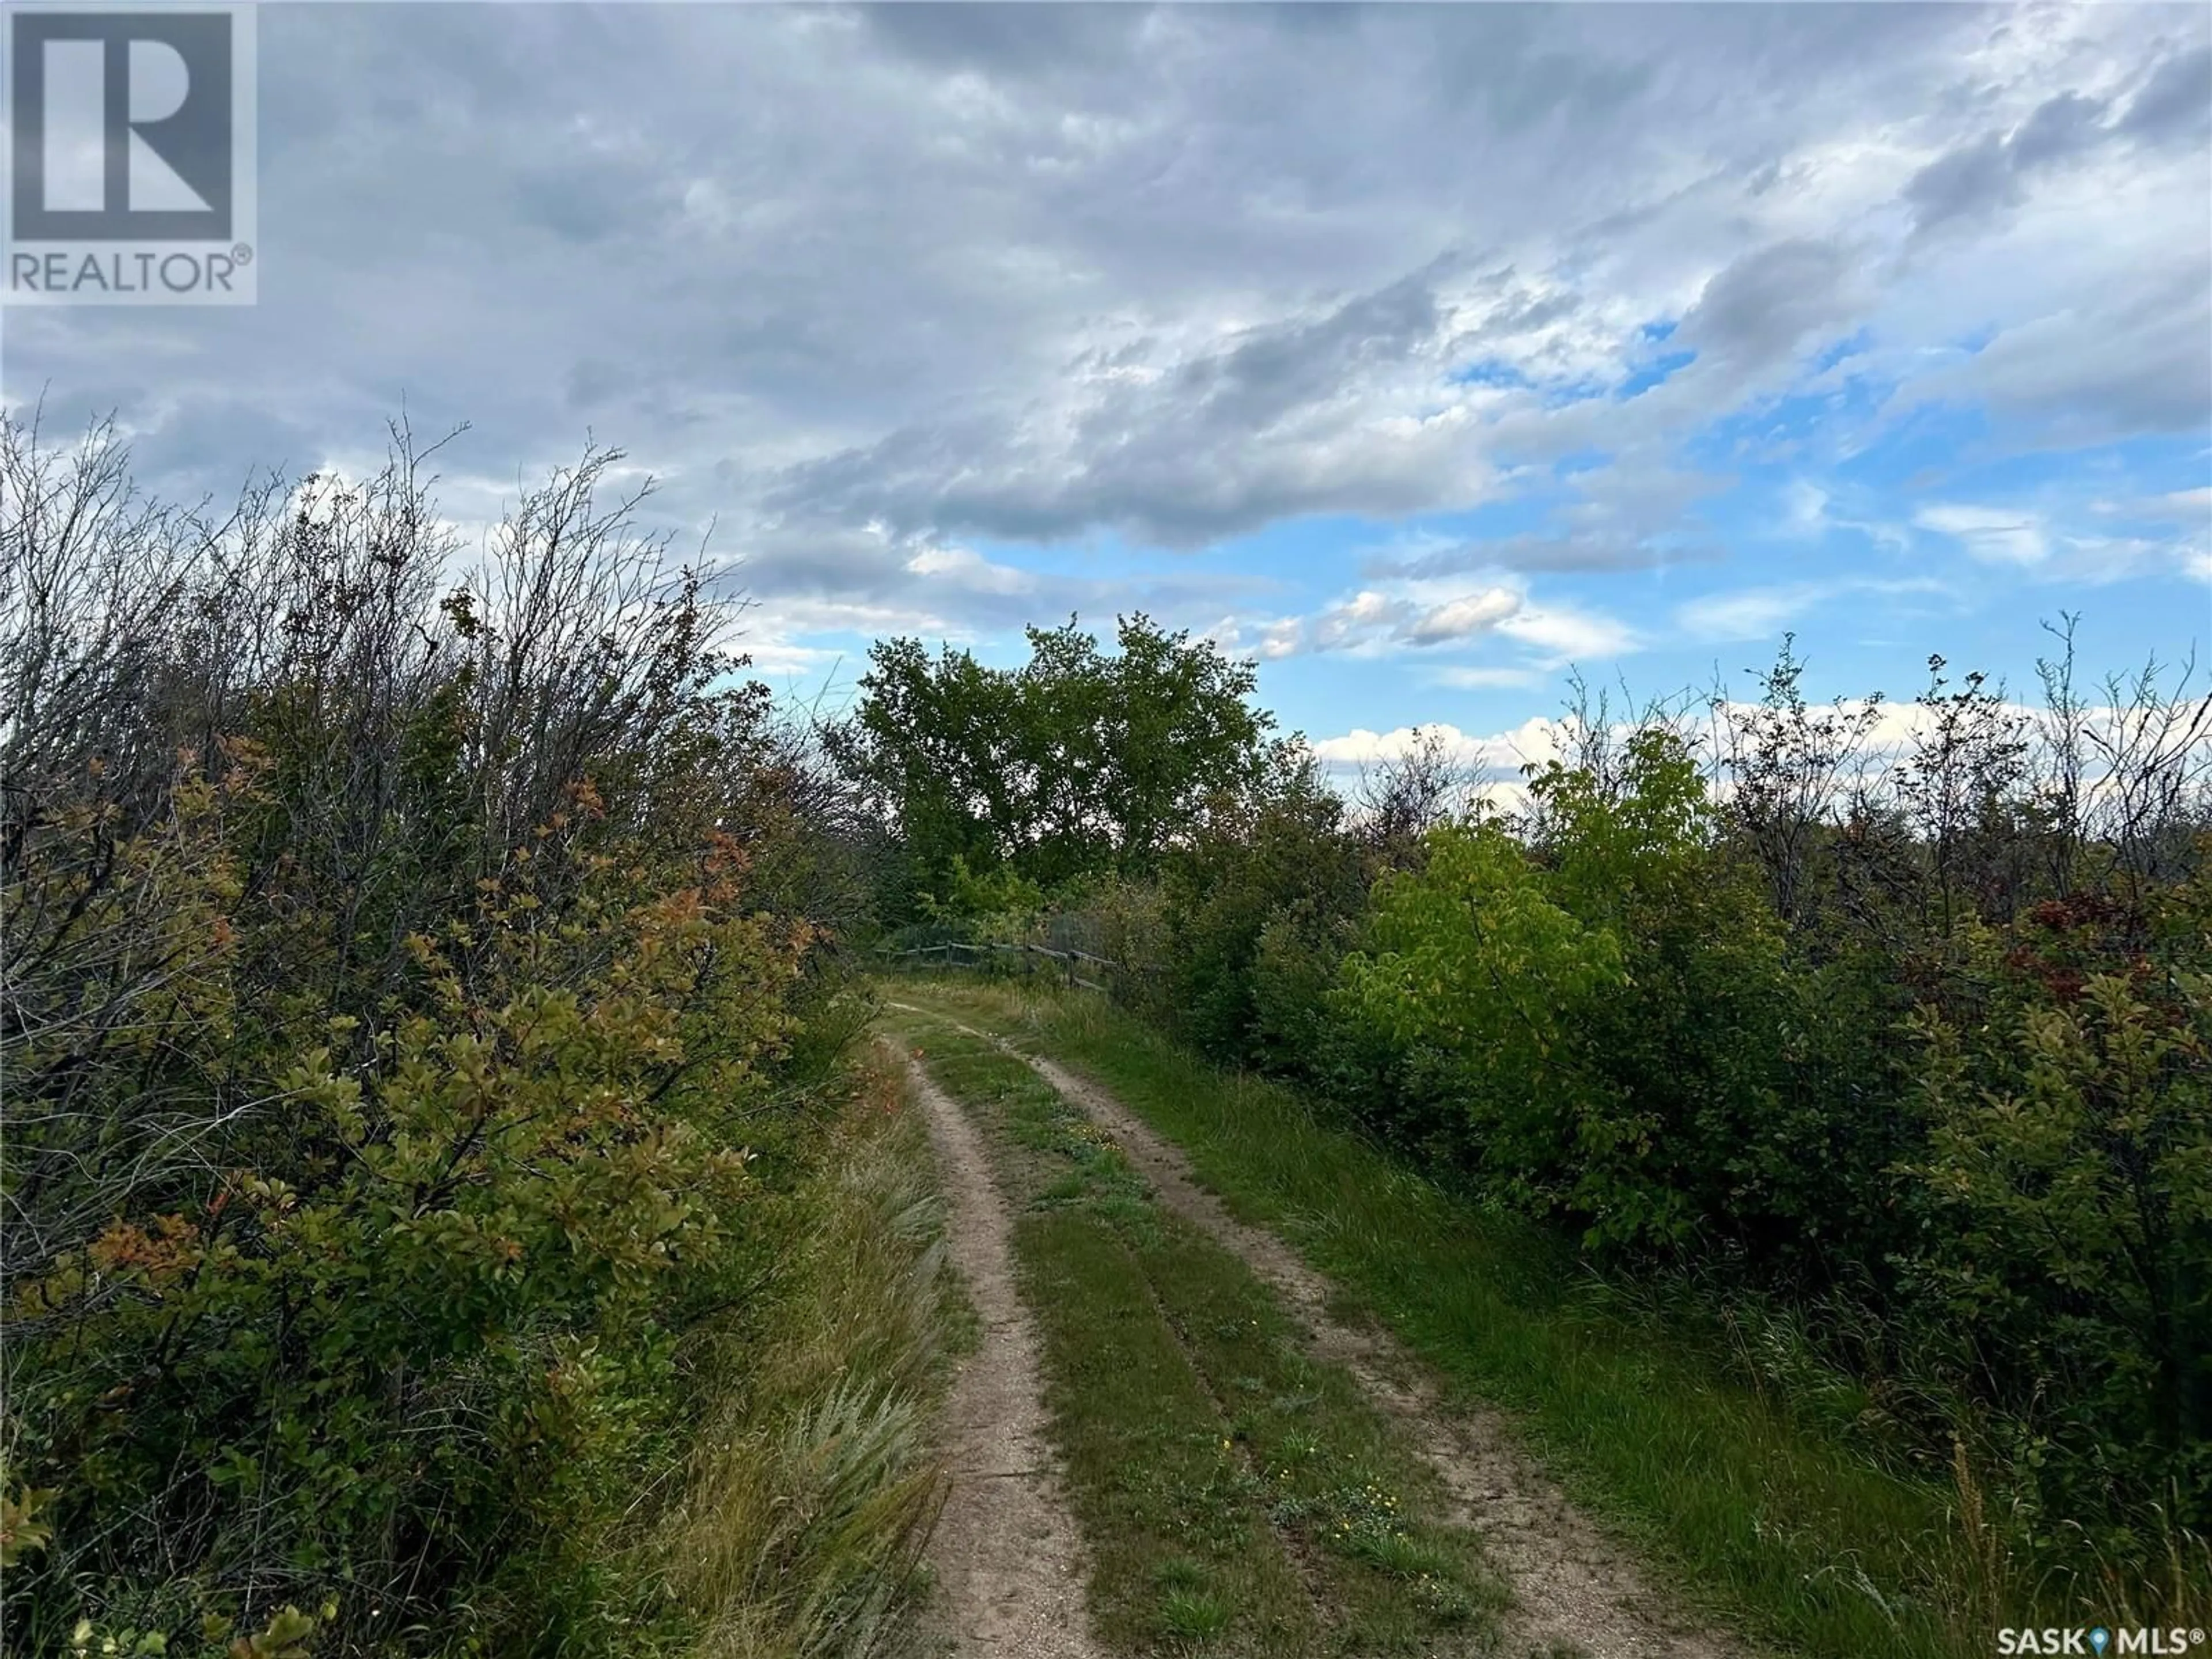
1068, 959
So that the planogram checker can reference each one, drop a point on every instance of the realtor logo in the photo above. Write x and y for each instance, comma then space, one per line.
130, 138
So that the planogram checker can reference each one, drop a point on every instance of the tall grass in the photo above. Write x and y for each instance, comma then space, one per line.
813, 1486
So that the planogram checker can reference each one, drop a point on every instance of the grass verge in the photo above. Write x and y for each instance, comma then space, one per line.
1769, 1521
1237, 1497
811, 1485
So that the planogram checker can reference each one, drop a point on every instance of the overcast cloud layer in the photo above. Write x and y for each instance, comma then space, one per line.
1421, 352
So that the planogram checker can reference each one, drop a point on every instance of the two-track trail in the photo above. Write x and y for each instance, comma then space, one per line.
1574, 1591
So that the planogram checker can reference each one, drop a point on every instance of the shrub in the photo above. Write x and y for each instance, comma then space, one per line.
1479, 978
1275, 863
2066, 1185
391, 998
1904, 1048
1610, 1010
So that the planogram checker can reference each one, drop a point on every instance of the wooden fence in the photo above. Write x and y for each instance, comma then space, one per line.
964, 954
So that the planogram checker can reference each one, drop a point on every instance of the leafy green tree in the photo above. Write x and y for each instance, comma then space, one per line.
1078, 764
932, 747
1259, 906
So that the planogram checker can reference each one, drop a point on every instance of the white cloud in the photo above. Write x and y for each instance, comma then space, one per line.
2040, 545
1463, 677
1759, 613
963, 568
2098, 561
1504, 753
1751, 613
1397, 616
1457, 619
2182, 506
1806, 503
1992, 535
1566, 634
1424, 615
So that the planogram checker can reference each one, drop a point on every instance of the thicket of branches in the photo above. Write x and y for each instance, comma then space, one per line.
399, 949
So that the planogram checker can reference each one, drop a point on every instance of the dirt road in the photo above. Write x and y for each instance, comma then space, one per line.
1575, 1592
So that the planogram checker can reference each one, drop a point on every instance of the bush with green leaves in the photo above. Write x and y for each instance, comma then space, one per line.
1612, 1012
403, 957
1257, 904
1471, 971
2065, 1191
1904, 1047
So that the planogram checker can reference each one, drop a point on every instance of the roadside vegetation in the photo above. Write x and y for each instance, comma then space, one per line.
444, 1208
1868, 1050
424, 1110
810, 1482
1236, 1493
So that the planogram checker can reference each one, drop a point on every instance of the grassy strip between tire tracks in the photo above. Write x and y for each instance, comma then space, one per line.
1237, 1497
1769, 1521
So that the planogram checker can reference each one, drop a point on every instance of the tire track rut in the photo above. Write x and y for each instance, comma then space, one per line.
1007, 1552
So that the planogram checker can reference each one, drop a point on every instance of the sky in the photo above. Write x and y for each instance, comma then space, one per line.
1428, 355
